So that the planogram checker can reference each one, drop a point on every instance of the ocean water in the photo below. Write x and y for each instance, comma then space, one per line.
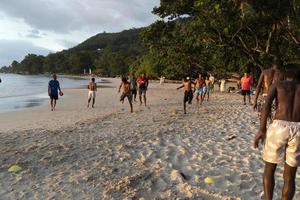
25, 91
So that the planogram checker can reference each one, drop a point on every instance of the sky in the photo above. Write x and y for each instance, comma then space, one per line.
44, 26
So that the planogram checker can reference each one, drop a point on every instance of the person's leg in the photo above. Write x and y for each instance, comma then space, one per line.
208, 96
244, 97
184, 102
93, 102
145, 98
130, 103
249, 96
89, 100
54, 104
51, 104
289, 176
269, 180
140, 97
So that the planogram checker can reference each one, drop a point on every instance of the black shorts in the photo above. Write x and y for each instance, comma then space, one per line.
54, 96
133, 91
124, 95
245, 92
188, 96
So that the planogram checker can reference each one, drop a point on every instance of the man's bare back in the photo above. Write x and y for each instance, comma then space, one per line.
270, 76
288, 98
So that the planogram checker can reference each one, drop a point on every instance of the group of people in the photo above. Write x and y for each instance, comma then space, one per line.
200, 87
277, 98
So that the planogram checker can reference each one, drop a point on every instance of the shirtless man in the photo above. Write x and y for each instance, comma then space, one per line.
126, 92
92, 86
199, 88
207, 88
282, 139
267, 78
188, 92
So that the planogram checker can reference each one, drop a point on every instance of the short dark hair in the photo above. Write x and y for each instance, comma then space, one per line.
277, 61
93, 79
124, 79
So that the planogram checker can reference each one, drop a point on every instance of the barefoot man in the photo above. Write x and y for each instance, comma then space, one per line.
92, 92
246, 83
267, 78
188, 92
282, 139
142, 83
126, 93
207, 88
199, 88
53, 88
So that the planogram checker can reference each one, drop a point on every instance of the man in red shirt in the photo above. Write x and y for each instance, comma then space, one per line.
142, 83
246, 83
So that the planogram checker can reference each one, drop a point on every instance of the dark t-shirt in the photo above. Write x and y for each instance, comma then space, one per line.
53, 87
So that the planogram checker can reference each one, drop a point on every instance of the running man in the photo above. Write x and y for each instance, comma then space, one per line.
126, 93
188, 92
133, 86
207, 88
246, 83
199, 89
53, 88
212, 80
92, 92
282, 139
267, 78
142, 83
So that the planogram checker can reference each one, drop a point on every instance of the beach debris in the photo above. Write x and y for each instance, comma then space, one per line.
231, 137
174, 111
209, 180
14, 169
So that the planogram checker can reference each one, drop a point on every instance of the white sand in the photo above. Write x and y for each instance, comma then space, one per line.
154, 153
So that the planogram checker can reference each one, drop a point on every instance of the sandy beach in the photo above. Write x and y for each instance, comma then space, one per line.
156, 152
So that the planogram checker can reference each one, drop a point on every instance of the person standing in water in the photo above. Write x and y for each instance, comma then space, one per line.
53, 88
282, 139
142, 83
126, 93
92, 92
188, 92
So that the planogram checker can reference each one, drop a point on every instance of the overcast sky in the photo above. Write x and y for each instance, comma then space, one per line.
43, 26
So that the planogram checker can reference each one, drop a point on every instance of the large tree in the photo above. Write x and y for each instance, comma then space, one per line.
209, 35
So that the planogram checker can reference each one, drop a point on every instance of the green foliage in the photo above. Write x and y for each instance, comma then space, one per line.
107, 54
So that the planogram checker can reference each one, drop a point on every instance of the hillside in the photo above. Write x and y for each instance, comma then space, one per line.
107, 54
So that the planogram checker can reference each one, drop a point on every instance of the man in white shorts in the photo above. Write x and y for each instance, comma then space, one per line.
92, 92
282, 139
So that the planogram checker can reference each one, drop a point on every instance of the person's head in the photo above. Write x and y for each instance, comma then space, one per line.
93, 80
247, 74
200, 76
54, 76
277, 63
124, 79
143, 75
206, 78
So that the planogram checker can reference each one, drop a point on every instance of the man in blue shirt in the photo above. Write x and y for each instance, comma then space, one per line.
53, 88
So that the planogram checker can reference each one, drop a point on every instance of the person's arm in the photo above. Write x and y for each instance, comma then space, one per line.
180, 87
96, 87
120, 87
49, 89
258, 89
58, 86
261, 135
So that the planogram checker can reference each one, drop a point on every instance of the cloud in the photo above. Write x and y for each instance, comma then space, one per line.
69, 15
16, 50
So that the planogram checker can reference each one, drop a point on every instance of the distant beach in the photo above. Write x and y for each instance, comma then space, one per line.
19, 92
155, 153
